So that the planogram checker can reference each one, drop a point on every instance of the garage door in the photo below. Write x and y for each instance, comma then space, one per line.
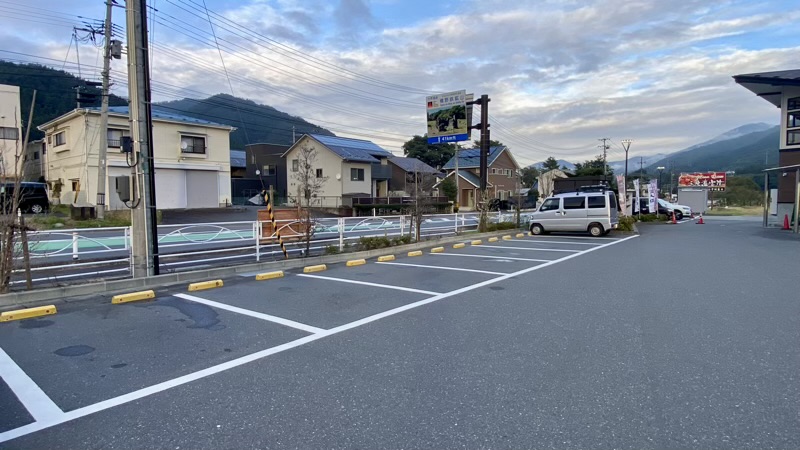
202, 189
170, 188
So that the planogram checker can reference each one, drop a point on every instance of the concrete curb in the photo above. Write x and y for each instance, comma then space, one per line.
110, 287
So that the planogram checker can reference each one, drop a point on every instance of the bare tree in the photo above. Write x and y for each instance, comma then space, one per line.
421, 183
10, 200
310, 181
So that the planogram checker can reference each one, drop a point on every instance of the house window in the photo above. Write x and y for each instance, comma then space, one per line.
9, 133
295, 165
193, 144
35, 155
60, 138
114, 137
319, 173
75, 184
269, 170
356, 174
793, 121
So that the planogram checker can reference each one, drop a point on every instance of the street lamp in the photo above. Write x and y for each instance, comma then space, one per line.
660, 169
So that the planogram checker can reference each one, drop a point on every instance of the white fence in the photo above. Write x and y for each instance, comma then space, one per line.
62, 255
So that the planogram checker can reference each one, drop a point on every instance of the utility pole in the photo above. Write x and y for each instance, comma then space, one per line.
484, 152
100, 207
458, 188
143, 216
605, 155
626, 144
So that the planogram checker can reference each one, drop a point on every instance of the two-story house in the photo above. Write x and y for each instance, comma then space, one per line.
503, 179
352, 168
10, 132
192, 158
404, 173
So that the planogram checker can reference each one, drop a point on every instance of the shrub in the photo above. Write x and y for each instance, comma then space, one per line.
626, 223
332, 250
376, 242
401, 240
501, 226
648, 218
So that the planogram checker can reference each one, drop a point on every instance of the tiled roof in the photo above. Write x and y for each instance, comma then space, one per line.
412, 165
355, 150
471, 158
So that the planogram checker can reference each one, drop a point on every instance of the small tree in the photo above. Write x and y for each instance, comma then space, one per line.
310, 182
549, 164
449, 188
421, 183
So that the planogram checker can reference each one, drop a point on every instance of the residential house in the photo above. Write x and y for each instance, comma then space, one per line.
404, 173
191, 158
34, 161
782, 89
503, 180
10, 131
352, 168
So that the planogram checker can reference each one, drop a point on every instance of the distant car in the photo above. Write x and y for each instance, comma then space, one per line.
33, 197
644, 208
685, 210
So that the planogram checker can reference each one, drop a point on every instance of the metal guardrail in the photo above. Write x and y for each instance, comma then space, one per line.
107, 252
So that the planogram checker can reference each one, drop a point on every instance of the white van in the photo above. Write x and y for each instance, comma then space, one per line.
593, 211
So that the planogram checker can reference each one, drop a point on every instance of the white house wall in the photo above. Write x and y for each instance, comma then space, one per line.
360, 187
78, 160
10, 117
329, 162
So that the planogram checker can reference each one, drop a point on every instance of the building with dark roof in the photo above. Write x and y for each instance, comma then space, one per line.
782, 89
348, 167
404, 173
503, 178
192, 158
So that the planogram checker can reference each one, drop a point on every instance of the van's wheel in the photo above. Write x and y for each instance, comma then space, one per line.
596, 229
36, 208
537, 229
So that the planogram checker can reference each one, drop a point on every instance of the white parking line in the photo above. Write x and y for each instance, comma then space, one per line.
38, 404
160, 387
367, 283
442, 268
491, 257
532, 248
557, 242
247, 312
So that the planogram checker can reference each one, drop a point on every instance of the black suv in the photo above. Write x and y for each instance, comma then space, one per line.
33, 197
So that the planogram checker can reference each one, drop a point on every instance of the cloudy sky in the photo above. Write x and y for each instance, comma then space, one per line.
560, 73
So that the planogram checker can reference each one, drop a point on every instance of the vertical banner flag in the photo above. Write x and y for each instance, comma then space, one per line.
652, 193
636, 201
623, 194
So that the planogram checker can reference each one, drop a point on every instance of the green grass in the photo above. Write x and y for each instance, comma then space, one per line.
736, 211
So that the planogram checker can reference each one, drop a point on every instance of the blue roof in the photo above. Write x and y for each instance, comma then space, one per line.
412, 165
356, 150
163, 114
469, 158
238, 158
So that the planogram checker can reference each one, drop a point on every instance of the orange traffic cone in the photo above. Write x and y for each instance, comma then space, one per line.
786, 222
673, 217
700, 222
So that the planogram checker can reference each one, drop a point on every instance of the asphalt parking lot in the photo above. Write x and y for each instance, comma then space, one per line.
560, 341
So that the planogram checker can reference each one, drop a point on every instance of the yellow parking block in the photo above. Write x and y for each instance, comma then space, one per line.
356, 262
520, 235
437, 250
317, 268
459, 245
27, 313
415, 253
133, 297
385, 258
530, 234
269, 275
203, 285
493, 239
507, 237
477, 242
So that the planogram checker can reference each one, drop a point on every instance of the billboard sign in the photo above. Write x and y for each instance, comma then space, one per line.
447, 117
714, 180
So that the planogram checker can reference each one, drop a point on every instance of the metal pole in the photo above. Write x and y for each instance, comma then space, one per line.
100, 207
145, 228
766, 199
626, 144
458, 185
797, 201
